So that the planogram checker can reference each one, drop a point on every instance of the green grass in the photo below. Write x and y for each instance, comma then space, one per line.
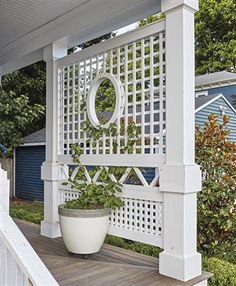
27, 210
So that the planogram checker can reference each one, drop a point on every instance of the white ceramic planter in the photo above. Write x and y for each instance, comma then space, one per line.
83, 231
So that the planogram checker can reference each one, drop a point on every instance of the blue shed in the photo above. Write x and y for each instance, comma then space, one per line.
28, 160
31, 154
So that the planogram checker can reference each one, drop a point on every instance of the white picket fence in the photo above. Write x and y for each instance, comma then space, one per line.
19, 263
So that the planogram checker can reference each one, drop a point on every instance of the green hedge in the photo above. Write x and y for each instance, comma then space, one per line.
134, 246
223, 271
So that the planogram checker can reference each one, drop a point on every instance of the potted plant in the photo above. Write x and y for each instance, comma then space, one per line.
84, 221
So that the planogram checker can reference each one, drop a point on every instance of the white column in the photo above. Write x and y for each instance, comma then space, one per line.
180, 178
4, 190
50, 168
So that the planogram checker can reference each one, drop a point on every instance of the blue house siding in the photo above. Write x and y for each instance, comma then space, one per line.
202, 116
28, 183
229, 93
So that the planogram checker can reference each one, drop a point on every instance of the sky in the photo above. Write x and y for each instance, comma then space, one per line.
120, 31
126, 28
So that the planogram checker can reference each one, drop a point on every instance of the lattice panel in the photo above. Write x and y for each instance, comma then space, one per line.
139, 66
141, 220
139, 216
135, 63
143, 205
127, 176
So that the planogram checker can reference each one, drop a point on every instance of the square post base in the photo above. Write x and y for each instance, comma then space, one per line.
180, 268
50, 229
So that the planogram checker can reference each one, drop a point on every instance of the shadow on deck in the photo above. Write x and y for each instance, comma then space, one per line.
112, 266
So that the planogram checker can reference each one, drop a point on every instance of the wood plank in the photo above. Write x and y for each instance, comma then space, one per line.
111, 266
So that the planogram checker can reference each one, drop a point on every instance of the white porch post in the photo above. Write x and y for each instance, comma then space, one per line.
4, 190
180, 178
50, 168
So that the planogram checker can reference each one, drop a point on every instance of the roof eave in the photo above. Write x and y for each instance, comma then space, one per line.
215, 84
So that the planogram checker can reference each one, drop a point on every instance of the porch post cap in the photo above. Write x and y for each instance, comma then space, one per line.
54, 51
167, 5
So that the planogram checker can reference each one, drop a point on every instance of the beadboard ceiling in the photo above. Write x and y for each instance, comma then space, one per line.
20, 17
27, 26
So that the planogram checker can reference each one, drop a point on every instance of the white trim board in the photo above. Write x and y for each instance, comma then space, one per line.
33, 144
24, 61
127, 37
128, 160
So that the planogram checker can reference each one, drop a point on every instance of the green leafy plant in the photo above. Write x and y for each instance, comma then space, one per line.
96, 196
216, 202
102, 193
224, 273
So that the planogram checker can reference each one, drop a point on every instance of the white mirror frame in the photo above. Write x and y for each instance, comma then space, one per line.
91, 108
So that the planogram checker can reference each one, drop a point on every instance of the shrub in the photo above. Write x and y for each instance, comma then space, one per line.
134, 246
216, 201
223, 271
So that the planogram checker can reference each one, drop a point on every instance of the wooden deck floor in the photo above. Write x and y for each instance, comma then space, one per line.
113, 266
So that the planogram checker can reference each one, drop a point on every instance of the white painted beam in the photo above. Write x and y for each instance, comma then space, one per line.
19, 63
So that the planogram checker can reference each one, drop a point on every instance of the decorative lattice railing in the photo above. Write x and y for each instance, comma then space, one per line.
134, 64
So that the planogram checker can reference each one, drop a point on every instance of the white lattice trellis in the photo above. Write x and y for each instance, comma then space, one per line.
136, 61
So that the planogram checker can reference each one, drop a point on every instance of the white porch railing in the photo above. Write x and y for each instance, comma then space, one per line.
19, 263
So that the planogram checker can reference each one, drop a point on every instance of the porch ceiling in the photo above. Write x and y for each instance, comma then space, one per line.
19, 18
27, 26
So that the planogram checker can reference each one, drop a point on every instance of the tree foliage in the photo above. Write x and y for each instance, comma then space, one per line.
216, 202
28, 85
30, 82
92, 42
215, 35
215, 25
16, 115
151, 19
